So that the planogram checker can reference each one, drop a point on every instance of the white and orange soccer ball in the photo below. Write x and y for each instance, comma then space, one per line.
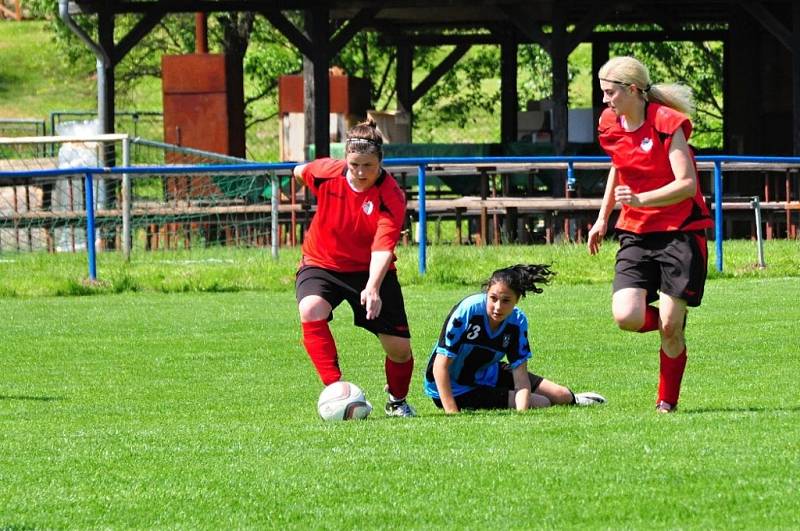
343, 401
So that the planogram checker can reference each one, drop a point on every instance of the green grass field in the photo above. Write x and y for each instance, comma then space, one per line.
175, 393
228, 269
197, 410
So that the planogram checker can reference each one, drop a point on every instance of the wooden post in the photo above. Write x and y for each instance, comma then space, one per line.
484, 210
559, 55
404, 83
316, 82
599, 58
795, 51
200, 33
459, 211
508, 90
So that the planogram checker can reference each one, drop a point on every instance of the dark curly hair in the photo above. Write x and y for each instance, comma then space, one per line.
521, 278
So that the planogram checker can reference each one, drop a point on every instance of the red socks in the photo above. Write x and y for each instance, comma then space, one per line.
650, 320
321, 348
398, 376
670, 376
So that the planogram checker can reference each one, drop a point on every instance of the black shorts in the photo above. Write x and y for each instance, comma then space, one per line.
485, 397
335, 287
674, 263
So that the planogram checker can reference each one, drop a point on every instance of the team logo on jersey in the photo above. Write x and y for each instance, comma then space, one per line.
367, 207
506, 340
647, 144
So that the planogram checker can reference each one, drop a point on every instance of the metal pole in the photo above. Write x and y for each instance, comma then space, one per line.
90, 227
423, 218
126, 201
570, 178
276, 192
718, 212
756, 204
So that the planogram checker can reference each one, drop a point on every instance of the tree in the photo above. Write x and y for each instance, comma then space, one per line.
698, 65
462, 107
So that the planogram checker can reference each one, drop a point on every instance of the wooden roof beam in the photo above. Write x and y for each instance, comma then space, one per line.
289, 30
437, 73
770, 22
531, 30
584, 29
361, 20
138, 32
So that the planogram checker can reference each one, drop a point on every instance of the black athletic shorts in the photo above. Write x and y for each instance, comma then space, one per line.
485, 397
336, 287
674, 263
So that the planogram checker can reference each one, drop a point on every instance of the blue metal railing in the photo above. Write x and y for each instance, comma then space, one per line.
421, 165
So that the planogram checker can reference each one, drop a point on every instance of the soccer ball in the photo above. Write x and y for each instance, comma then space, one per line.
343, 401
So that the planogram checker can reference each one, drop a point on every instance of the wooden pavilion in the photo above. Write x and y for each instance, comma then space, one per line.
761, 49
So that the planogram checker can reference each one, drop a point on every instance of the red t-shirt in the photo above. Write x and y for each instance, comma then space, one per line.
349, 225
641, 158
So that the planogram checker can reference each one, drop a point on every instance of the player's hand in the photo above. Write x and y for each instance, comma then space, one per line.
595, 237
624, 195
371, 301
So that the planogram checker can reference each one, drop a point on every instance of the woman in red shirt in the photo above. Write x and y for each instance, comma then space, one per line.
661, 228
348, 254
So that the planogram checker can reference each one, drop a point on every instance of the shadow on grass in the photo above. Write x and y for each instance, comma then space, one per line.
31, 398
758, 409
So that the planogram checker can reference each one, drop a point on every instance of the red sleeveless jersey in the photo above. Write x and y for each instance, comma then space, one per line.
348, 224
641, 158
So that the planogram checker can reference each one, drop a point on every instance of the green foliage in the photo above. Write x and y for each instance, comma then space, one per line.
462, 107
197, 411
34, 78
698, 65
535, 81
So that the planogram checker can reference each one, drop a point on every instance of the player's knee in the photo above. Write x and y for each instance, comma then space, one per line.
562, 395
629, 321
400, 354
312, 311
672, 331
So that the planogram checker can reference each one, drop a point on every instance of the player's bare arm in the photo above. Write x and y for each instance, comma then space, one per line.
370, 295
298, 173
441, 376
522, 387
600, 226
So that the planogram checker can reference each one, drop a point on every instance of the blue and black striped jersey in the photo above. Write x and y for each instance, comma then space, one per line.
476, 349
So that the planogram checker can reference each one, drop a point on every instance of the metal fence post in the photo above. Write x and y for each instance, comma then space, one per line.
276, 192
423, 219
756, 204
126, 201
90, 227
718, 212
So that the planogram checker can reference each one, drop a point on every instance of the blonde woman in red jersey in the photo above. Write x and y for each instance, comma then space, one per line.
661, 228
348, 255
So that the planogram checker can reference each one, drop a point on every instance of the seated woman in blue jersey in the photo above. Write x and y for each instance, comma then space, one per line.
465, 370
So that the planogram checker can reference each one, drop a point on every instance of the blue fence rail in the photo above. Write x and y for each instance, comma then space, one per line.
421, 165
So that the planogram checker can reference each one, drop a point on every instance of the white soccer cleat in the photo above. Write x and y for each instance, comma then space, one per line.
588, 399
398, 407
